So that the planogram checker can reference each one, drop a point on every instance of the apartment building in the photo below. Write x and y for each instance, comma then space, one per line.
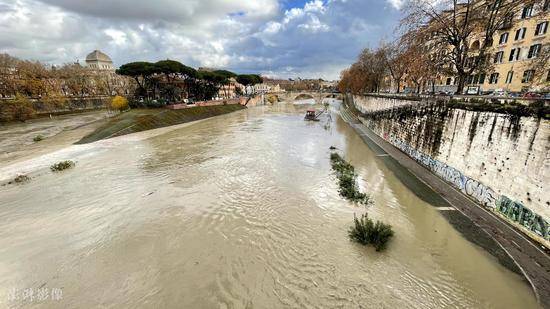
515, 54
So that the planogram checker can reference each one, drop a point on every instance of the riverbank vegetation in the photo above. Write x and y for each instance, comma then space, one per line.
137, 120
119, 103
61, 166
20, 108
366, 232
31, 88
347, 181
170, 81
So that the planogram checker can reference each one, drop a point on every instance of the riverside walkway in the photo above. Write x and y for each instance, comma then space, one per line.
513, 249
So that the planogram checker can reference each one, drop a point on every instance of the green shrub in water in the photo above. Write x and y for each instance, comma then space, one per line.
38, 138
20, 179
347, 181
63, 165
366, 232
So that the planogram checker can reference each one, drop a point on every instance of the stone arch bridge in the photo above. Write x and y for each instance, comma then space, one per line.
291, 96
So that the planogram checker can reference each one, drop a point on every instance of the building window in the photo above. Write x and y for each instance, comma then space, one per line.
448, 81
520, 34
534, 51
548, 77
527, 11
503, 38
514, 54
493, 79
528, 76
476, 79
509, 77
481, 78
541, 28
499, 56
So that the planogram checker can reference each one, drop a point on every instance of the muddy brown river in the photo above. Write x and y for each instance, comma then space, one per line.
238, 211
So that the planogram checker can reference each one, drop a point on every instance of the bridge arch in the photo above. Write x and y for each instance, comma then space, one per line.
303, 96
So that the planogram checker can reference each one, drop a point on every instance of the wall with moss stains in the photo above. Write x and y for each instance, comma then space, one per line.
501, 161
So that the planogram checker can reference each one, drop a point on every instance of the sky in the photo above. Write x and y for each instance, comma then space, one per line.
276, 38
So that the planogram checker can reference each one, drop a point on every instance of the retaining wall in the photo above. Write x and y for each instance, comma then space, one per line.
501, 161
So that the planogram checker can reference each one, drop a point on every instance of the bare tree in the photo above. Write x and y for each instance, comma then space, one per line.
372, 64
396, 61
449, 26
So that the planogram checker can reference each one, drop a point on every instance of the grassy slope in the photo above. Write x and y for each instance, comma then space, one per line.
138, 120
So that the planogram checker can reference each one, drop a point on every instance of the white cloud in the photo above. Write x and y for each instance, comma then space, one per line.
180, 11
118, 37
398, 4
315, 6
314, 25
320, 37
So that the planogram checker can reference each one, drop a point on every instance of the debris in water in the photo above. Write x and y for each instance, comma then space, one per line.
147, 194
63, 165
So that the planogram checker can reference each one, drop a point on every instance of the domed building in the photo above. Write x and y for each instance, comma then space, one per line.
98, 60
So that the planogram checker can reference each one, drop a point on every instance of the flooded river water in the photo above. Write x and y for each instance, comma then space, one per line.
237, 211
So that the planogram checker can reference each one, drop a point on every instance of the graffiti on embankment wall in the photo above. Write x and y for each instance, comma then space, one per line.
512, 210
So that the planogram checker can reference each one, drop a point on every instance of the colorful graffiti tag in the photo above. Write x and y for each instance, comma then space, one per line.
486, 196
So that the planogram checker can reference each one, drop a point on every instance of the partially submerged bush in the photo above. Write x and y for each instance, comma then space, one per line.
63, 165
20, 179
38, 138
366, 232
347, 181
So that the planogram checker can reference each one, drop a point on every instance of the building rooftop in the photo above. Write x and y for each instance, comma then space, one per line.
97, 55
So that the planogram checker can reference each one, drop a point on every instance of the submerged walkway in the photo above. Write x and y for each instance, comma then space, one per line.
513, 249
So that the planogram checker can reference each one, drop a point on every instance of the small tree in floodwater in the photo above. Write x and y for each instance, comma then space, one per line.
366, 232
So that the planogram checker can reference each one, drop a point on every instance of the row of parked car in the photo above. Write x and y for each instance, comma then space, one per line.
525, 95
507, 94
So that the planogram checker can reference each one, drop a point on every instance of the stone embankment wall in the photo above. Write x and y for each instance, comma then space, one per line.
501, 161
368, 104
68, 104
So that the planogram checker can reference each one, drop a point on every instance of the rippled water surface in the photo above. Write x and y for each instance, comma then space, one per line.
238, 211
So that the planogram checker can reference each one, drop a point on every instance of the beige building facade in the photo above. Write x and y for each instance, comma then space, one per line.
517, 63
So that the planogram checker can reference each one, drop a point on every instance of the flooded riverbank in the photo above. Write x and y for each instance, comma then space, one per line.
17, 139
237, 211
